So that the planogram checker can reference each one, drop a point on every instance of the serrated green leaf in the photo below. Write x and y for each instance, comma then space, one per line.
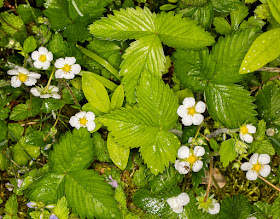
95, 93
263, 50
4, 162
222, 26
225, 5
227, 152
230, 104
74, 152
118, 154
268, 102
50, 105
261, 129
274, 7
120, 197
214, 145
275, 209
48, 189
178, 32
262, 147
117, 98
100, 150
238, 15
58, 46
235, 207
67, 96
25, 12
11, 206
16, 130
263, 210
60, 209
29, 44
20, 112
89, 195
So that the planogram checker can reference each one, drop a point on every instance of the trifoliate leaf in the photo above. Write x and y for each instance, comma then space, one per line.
178, 32
235, 207
263, 210
238, 15
11, 206
275, 209
274, 7
60, 209
263, 50
29, 44
118, 154
147, 126
95, 93
100, 150
268, 102
262, 147
89, 195
230, 104
48, 189
227, 152
222, 26
73, 152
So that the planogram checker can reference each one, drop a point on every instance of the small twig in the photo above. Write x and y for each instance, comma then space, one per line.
11, 160
55, 123
271, 197
176, 132
218, 132
71, 92
209, 182
269, 183
275, 77
28, 123
269, 69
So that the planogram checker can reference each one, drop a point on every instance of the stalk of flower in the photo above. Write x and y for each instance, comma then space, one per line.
83, 119
22, 75
66, 68
42, 58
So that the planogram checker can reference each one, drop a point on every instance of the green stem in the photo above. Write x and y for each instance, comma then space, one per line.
100, 60
50, 79
70, 91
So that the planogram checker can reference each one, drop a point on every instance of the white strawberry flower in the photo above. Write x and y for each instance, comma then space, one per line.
177, 203
83, 119
43, 93
189, 159
246, 132
257, 165
42, 58
215, 209
190, 112
22, 75
66, 68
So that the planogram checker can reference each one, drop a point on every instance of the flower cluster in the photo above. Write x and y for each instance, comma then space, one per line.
177, 203
210, 205
190, 112
189, 159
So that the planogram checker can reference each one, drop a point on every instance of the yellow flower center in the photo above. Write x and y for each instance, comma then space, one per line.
191, 111
83, 121
43, 58
66, 68
22, 77
244, 130
257, 167
192, 159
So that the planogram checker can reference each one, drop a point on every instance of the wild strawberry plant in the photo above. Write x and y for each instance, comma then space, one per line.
140, 109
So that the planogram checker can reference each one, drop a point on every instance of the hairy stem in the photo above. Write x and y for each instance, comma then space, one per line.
269, 183
209, 182
70, 91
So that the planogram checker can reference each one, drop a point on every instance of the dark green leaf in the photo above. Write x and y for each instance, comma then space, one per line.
263, 210
262, 147
11, 206
58, 47
51, 104
275, 209
225, 5
25, 13
227, 152
29, 44
100, 150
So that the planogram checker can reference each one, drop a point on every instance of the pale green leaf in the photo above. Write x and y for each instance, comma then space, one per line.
60, 209
29, 44
11, 206
89, 195
1, 3
260, 133
274, 6
178, 32
238, 15
143, 55
227, 152
118, 154
13, 23
73, 152
117, 98
262, 147
230, 104
222, 26
127, 23
263, 50
95, 93
101, 152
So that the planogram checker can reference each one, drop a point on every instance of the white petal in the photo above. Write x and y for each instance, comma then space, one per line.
187, 120
197, 166
43, 50
182, 111
183, 152
35, 91
90, 116
45, 96
179, 209
15, 82
76, 68
248, 138
35, 55
200, 107
53, 88
59, 63
254, 158
13, 72
189, 102
173, 202
46, 65
23, 70
265, 171
90, 126
251, 129
199, 151
70, 60
34, 75
197, 119
215, 209
246, 166
251, 175
264, 159
49, 56
38, 64
180, 166
242, 137
74, 121
59, 73
56, 96
183, 198
80, 114
30, 81
70, 75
